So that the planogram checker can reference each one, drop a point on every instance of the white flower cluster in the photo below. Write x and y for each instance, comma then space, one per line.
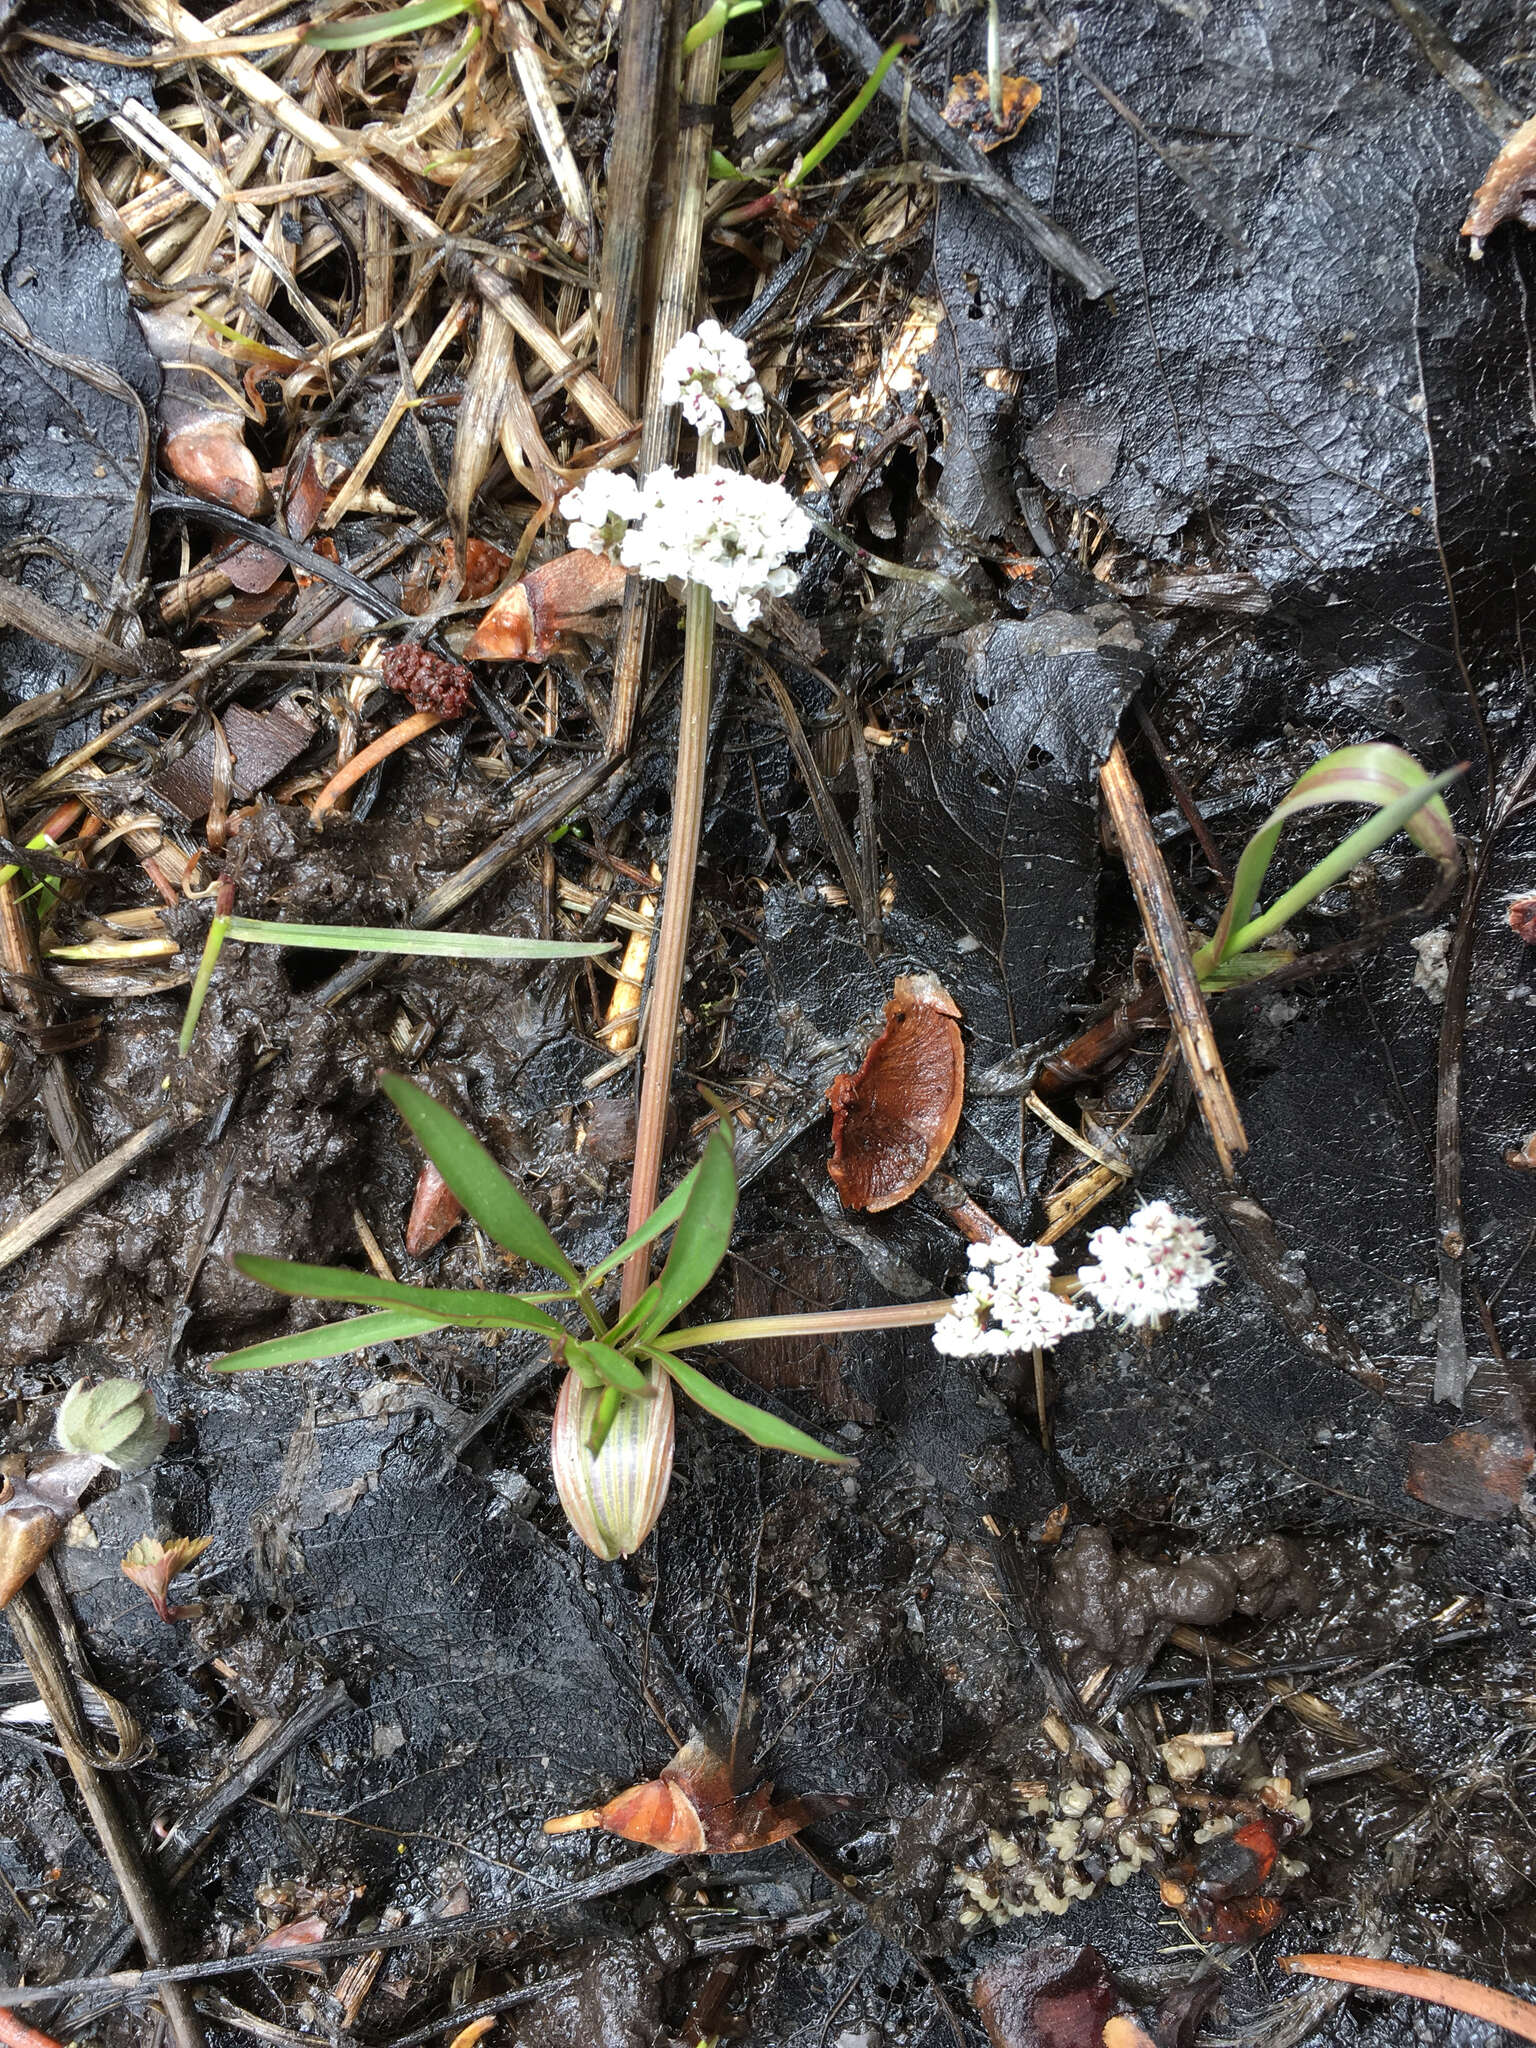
722, 529
1013, 1309
709, 373
600, 512
1155, 1266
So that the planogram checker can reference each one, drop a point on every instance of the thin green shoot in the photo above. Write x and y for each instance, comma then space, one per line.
359, 32
1402, 797
754, 60
818, 151
713, 23
1365, 839
995, 62
455, 64
363, 938
213, 946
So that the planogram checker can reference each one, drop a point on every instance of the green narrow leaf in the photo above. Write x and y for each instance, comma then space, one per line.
468, 1306
330, 1340
754, 1423
495, 1203
637, 1317
611, 1366
361, 30
581, 1365
367, 938
703, 1232
661, 1218
1379, 775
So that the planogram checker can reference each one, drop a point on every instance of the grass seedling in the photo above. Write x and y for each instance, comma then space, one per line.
1404, 797
612, 1449
364, 938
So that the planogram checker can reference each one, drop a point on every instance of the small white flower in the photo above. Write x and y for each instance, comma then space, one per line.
601, 511
1155, 1266
1010, 1309
706, 370
725, 530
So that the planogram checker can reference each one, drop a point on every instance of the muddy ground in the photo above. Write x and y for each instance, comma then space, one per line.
1279, 490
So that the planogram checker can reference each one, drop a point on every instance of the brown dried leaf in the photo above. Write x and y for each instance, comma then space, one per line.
1054, 1995
893, 1120
435, 1209
526, 621
693, 1808
969, 107
1508, 192
1476, 1474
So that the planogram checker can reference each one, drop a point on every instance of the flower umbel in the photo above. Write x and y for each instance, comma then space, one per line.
709, 373
601, 511
725, 530
1009, 1309
722, 529
1155, 1266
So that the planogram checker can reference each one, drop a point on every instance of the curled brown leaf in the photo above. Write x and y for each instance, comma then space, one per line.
893, 1120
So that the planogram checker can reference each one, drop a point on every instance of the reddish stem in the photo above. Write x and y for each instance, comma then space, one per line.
378, 750
1435, 1987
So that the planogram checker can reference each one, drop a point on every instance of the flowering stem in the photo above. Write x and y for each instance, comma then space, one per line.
671, 955
831, 1322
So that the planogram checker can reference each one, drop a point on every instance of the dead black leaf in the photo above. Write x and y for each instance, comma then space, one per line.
77, 384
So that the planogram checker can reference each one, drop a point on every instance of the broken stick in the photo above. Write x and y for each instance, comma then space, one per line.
1164, 928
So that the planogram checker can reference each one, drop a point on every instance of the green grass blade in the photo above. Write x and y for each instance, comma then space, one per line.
367, 938
1379, 775
329, 1340
213, 945
703, 1232
469, 1306
499, 1208
637, 1317
1375, 832
362, 30
756, 1424
840, 127
661, 1218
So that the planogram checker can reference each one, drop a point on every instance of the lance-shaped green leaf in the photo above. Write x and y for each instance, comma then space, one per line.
661, 1218
469, 1307
330, 1340
703, 1232
501, 1211
636, 1318
1386, 777
756, 1424
360, 31
610, 1366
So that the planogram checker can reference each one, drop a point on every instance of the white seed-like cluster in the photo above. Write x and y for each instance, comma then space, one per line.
709, 373
1155, 1266
1072, 1838
723, 529
1009, 1308
1074, 1835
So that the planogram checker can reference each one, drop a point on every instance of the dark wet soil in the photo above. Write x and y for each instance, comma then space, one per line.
1300, 387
